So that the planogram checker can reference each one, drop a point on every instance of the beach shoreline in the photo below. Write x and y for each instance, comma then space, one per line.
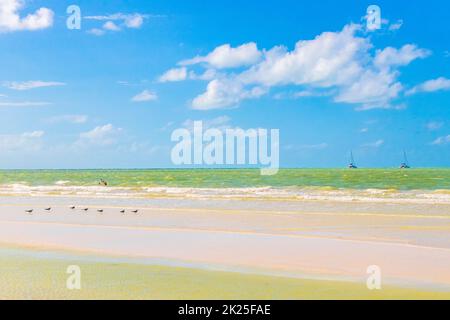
301, 241
31, 273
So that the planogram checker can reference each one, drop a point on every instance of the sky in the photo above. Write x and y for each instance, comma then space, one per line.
110, 94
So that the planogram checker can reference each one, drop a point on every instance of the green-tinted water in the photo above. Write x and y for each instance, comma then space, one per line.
425, 179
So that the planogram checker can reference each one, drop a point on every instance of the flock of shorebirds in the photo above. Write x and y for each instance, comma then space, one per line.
49, 209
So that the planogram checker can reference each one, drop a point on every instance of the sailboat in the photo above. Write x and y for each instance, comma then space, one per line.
404, 164
352, 164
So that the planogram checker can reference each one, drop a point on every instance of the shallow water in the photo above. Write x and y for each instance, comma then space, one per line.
412, 179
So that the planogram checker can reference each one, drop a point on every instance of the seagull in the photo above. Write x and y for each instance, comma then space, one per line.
135, 211
100, 210
48, 209
85, 209
72, 207
122, 211
29, 211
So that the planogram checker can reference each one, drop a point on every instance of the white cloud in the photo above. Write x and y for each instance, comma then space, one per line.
375, 144
181, 74
396, 25
433, 125
390, 57
96, 32
372, 90
34, 134
301, 94
332, 58
100, 136
175, 74
431, 86
71, 118
28, 141
10, 19
145, 95
27, 85
24, 104
341, 63
115, 22
227, 57
134, 21
221, 93
442, 140
111, 26
335, 60
209, 74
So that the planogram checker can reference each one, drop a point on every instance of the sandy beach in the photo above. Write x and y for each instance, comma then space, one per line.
329, 244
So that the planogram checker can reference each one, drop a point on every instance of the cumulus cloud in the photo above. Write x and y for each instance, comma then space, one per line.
175, 74
10, 19
341, 63
111, 26
431, 86
332, 58
221, 93
27, 85
100, 136
144, 96
26, 141
372, 90
226, 56
96, 32
442, 140
391, 57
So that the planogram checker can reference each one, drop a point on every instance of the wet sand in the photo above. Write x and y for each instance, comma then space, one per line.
313, 241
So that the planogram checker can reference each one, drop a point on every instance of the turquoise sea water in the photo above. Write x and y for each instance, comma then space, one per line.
412, 179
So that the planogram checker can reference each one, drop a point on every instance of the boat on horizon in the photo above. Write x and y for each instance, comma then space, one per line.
352, 164
405, 163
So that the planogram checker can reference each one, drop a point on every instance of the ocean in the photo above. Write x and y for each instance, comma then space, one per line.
360, 179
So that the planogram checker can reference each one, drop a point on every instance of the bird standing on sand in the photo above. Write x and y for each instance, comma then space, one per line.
135, 211
85, 209
122, 211
100, 210
72, 207
29, 211
48, 209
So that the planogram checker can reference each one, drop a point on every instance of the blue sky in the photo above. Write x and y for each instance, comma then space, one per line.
110, 94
